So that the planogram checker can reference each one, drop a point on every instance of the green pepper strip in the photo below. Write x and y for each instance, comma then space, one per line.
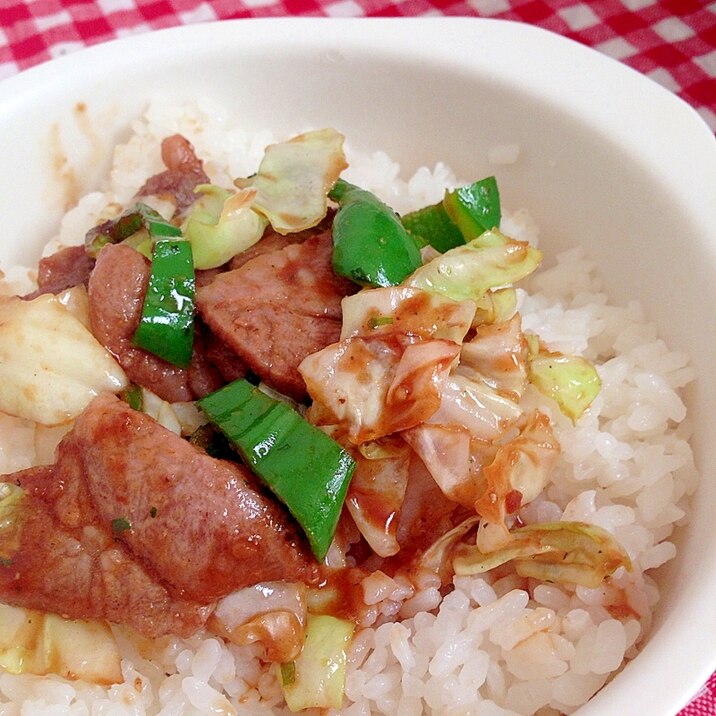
462, 215
370, 245
307, 470
166, 327
139, 218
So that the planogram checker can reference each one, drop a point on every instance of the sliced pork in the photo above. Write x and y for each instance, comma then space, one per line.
117, 529
184, 172
70, 563
116, 296
277, 308
64, 269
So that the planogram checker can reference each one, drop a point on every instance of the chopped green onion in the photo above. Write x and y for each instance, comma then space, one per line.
166, 327
307, 470
132, 395
377, 321
141, 223
120, 524
288, 673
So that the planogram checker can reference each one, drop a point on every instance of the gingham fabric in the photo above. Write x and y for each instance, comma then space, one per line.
671, 41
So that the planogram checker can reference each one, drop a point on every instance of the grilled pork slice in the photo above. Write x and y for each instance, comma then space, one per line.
64, 269
184, 172
277, 308
116, 296
67, 561
135, 525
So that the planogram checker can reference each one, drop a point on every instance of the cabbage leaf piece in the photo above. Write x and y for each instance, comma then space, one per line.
51, 366
12, 510
294, 179
34, 642
316, 679
571, 381
565, 552
492, 260
221, 224
375, 386
377, 490
404, 309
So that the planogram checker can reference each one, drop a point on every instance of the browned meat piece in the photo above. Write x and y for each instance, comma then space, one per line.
70, 563
184, 172
204, 376
212, 532
273, 241
224, 359
196, 529
116, 295
278, 308
62, 270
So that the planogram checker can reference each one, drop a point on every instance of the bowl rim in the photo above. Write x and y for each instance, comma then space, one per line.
690, 159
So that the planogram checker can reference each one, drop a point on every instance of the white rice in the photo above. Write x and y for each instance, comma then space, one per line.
498, 644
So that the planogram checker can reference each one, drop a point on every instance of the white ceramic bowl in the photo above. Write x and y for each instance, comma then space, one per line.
607, 158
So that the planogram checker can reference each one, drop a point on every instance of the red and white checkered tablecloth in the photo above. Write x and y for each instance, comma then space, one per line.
671, 41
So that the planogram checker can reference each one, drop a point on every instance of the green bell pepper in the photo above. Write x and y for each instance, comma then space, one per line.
370, 245
307, 470
462, 215
166, 327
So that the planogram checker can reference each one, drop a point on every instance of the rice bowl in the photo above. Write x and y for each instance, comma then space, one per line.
535, 157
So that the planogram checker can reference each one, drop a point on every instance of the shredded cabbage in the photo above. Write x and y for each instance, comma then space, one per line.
492, 260
294, 179
316, 679
565, 552
51, 366
572, 381
34, 642
221, 224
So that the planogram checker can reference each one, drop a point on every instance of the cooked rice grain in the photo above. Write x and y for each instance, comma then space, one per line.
488, 648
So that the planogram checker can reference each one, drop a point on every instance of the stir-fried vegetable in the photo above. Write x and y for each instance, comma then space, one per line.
307, 470
270, 613
463, 215
51, 366
572, 381
566, 552
377, 491
370, 245
378, 385
221, 224
139, 225
474, 208
33, 642
12, 508
517, 475
166, 327
404, 309
491, 260
295, 177
316, 679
